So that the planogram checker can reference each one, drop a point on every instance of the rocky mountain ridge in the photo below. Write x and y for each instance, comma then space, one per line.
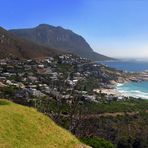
59, 38
11, 45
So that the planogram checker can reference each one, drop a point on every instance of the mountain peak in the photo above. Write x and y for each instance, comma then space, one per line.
44, 26
61, 39
49, 26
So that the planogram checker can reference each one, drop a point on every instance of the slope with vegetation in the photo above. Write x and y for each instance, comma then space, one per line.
10, 45
23, 127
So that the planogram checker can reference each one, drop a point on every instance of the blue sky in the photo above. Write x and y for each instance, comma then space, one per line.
117, 28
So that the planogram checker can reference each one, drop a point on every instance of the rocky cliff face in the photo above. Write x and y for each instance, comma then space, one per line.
59, 38
12, 45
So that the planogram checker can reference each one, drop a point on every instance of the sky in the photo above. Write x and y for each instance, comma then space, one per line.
116, 28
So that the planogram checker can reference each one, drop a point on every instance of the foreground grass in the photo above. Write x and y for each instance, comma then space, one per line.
23, 127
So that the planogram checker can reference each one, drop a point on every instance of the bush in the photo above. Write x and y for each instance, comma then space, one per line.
4, 102
96, 142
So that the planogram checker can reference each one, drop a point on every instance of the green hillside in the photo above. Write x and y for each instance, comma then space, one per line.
23, 127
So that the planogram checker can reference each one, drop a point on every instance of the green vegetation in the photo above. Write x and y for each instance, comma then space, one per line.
8, 92
88, 84
96, 142
130, 105
126, 131
29, 126
23, 127
3, 102
123, 122
65, 69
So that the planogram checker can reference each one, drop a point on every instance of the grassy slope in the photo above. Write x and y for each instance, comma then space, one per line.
23, 127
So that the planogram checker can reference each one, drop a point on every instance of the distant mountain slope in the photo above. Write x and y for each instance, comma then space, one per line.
59, 38
13, 45
23, 127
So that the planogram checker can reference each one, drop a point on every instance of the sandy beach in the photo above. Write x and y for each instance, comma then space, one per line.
111, 91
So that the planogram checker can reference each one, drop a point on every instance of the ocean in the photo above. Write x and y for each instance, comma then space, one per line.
128, 65
134, 89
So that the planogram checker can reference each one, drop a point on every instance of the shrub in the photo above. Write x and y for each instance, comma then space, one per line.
96, 142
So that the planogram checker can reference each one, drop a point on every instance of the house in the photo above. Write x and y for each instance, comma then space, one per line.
32, 78
2, 79
36, 93
27, 67
6, 74
3, 62
40, 66
90, 98
54, 76
32, 86
2, 85
21, 85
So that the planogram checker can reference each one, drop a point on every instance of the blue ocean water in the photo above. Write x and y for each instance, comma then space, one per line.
128, 65
134, 89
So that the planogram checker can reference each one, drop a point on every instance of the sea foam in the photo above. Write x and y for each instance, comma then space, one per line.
133, 90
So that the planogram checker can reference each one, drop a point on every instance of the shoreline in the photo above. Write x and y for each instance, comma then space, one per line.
123, 93
111, 91
122, 77
131, 78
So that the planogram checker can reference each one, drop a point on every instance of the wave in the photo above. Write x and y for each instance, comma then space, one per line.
139, 92
134, 93
119, 84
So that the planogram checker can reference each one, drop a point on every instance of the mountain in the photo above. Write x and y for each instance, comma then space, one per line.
13, 45
26, 128
59, 38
